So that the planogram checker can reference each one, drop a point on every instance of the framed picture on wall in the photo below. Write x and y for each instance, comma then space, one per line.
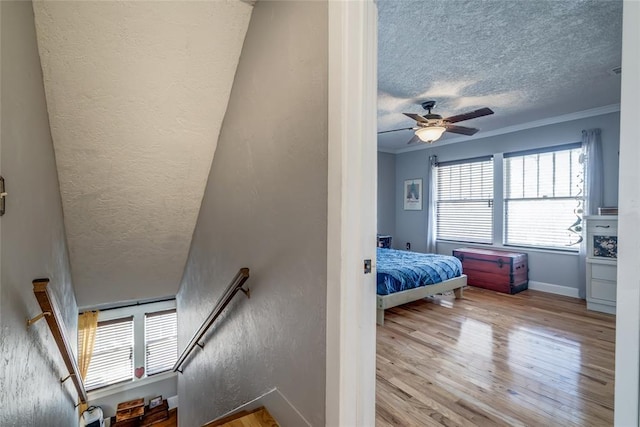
413, 194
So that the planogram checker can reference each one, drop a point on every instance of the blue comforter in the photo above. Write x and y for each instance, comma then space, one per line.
402, 270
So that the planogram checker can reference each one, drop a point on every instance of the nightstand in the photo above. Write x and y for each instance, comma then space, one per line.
384, 241
602, 262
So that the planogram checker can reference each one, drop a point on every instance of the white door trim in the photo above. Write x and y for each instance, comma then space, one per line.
352, 189
628, 292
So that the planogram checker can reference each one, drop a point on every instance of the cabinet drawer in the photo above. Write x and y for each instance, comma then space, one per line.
603, 290
602, 227
603, 272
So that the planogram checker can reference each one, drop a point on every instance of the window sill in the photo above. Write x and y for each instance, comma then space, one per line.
541, 250
130, 385
509, 248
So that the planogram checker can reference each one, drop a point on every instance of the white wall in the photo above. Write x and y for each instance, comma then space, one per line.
386, 193
265, 207
33, 239
545, 267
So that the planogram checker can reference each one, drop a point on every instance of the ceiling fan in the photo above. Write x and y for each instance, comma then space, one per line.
430, 127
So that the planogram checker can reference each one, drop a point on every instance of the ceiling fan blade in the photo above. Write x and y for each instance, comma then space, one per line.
414, 140
470, 115
393, 130
416, 117
461, 129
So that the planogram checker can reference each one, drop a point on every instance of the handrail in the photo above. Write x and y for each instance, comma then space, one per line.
229, 293
49, 310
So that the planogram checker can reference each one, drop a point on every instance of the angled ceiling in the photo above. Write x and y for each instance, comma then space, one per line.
136, 93
527, 60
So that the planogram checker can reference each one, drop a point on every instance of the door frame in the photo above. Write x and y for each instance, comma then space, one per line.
627, 374
352, 214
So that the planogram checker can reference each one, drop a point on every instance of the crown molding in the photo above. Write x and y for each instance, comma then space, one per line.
387, 150
598, 111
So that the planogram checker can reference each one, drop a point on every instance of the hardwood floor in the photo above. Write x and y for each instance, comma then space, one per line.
530, 359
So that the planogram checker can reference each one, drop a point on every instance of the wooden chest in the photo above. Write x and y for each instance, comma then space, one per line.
496, 270
129, 412
155, 415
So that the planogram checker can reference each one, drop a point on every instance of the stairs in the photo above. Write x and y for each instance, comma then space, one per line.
257, 418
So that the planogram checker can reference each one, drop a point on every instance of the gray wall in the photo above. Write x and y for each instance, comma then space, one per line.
33, 242
546, 267
386, 193
265, 207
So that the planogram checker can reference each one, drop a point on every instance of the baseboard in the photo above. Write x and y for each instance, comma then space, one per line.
278, 406
554, 289
604, 308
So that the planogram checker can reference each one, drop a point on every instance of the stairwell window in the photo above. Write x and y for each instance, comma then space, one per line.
543, 197
161, 341
112, 358
133, 343
464, 200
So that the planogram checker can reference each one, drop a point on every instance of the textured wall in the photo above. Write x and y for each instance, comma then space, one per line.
136, 94
33, 239
386, 193
556, 268
265, 207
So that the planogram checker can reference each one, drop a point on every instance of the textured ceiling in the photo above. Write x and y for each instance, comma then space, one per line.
136, 93
528, 60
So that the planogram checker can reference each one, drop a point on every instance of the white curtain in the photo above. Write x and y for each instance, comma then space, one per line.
431, 205
593, 192
594, 182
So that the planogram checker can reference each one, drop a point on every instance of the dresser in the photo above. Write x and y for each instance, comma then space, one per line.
602, 262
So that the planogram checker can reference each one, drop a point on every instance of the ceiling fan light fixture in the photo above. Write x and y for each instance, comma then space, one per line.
430, 133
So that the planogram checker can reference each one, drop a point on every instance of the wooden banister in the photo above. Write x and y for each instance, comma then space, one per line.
50, 312
229, 293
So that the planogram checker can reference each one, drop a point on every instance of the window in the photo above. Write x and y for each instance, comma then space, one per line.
112, 359
543, 197
161, 341
137, 336
464, 200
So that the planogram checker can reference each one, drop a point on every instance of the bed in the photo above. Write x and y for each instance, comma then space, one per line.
404, 276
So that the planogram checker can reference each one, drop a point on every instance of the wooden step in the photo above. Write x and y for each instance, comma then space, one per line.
257, 418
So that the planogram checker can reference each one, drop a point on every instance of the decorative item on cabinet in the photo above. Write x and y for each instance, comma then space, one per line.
608, 210
602, 262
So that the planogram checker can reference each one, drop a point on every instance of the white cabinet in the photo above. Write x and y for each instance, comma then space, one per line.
602, 262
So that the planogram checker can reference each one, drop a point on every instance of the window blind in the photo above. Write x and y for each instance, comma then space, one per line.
161, 341
543, 198
464, 201
112, 358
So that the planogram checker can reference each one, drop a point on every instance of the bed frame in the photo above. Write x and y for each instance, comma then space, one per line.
387, 301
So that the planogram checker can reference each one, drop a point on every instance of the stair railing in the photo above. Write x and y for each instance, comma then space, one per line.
236, 285
51, 313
